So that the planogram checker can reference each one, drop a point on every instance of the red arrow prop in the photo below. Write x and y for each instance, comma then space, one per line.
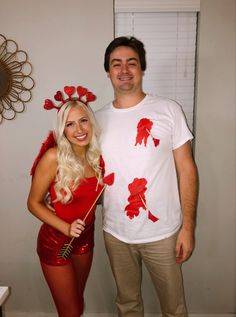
67, 247
137, 199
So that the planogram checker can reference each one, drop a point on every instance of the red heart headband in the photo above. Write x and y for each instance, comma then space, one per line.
84, 96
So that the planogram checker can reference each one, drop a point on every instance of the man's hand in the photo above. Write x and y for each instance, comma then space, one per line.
48, 202
184, 245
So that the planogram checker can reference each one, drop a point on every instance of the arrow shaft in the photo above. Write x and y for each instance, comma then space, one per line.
88, 212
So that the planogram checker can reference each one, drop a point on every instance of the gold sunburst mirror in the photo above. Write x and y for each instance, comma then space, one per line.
15, 80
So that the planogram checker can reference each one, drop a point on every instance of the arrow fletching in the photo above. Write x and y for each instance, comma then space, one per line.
66, 250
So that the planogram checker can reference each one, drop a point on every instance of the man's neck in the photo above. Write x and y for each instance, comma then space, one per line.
128, 101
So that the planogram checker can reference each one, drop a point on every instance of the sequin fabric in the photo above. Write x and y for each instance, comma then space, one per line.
50, 240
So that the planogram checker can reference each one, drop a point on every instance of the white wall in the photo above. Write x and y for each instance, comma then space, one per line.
65, 41
211, 276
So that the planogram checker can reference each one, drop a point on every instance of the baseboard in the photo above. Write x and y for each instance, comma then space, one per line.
153, 315
31, 314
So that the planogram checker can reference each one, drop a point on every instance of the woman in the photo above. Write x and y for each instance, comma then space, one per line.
70, 171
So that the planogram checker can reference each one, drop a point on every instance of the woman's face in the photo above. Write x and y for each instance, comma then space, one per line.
78, 128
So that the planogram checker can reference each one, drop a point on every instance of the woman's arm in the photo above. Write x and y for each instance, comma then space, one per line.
44, 175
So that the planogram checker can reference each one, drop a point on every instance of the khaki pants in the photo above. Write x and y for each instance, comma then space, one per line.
159, 259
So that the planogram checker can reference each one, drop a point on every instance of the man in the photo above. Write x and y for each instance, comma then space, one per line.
150, 211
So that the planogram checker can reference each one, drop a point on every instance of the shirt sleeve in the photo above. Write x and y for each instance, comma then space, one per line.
181, 131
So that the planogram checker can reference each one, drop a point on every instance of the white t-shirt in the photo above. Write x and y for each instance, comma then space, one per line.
137, 145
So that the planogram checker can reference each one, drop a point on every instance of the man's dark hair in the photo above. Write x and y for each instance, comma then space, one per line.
131, 42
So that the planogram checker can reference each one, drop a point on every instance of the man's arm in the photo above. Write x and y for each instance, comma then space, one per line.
188, 188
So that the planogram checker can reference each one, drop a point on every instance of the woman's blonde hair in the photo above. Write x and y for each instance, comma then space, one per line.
70, 170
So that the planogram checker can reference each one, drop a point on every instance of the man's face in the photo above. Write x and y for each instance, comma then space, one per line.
125, 70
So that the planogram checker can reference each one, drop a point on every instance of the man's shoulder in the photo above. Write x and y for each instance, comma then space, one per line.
161, 99
164, 103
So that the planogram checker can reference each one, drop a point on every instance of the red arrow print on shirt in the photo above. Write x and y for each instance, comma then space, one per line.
137, 199
143, 132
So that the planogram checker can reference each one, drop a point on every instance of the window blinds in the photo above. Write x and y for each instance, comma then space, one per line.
157, 5
170, 44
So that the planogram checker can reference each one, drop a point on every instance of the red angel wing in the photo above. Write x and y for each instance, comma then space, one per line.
47, 144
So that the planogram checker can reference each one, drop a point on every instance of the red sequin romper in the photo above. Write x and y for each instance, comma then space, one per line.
50, 240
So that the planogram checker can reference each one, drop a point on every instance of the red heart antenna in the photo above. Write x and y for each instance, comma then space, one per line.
83, 95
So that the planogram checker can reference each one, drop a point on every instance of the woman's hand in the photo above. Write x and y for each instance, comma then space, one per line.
76, 228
